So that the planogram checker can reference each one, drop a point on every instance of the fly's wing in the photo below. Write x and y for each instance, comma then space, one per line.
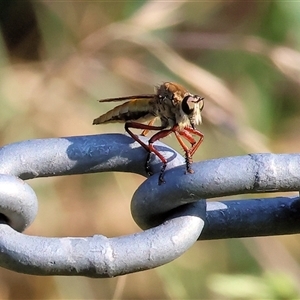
137, 108
128, 98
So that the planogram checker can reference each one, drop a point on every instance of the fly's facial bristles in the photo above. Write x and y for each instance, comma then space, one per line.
198, 118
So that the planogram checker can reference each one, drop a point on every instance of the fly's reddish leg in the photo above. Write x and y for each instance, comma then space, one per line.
146, 131
186, 133
149, 148
196, 145
159, 135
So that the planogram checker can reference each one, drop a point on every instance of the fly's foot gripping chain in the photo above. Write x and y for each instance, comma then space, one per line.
147, 165
161, 174
148, 168
150, 172
188, 163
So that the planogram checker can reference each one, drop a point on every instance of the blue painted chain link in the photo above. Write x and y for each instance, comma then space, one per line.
174, 215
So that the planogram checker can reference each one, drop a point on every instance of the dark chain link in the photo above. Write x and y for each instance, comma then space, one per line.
173, 214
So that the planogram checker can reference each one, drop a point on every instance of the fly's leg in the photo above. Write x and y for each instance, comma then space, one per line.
145, 128
188, 163
185, 133
189, 152
147, 165
195, 145
188, 156
146, 131
159, 135
161, 174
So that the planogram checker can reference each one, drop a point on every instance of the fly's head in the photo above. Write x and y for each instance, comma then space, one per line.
191, 106
181, 107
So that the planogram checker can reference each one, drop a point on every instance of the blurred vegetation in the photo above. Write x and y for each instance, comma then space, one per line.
57, 58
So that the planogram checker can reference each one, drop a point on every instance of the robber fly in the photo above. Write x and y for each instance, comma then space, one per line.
178, 110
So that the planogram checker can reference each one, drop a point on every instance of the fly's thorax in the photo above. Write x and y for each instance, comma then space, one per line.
168, 98
171, 91
163, 108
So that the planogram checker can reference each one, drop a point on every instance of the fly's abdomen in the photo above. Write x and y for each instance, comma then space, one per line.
134, 110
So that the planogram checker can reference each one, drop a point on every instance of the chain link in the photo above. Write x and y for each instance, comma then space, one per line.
255, 173
173, 214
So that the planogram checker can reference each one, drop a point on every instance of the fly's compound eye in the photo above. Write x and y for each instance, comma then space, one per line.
189, 103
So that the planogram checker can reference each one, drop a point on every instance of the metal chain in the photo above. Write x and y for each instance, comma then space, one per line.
173, 214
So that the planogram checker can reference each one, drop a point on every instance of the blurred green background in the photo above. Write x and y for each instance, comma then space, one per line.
58, 57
